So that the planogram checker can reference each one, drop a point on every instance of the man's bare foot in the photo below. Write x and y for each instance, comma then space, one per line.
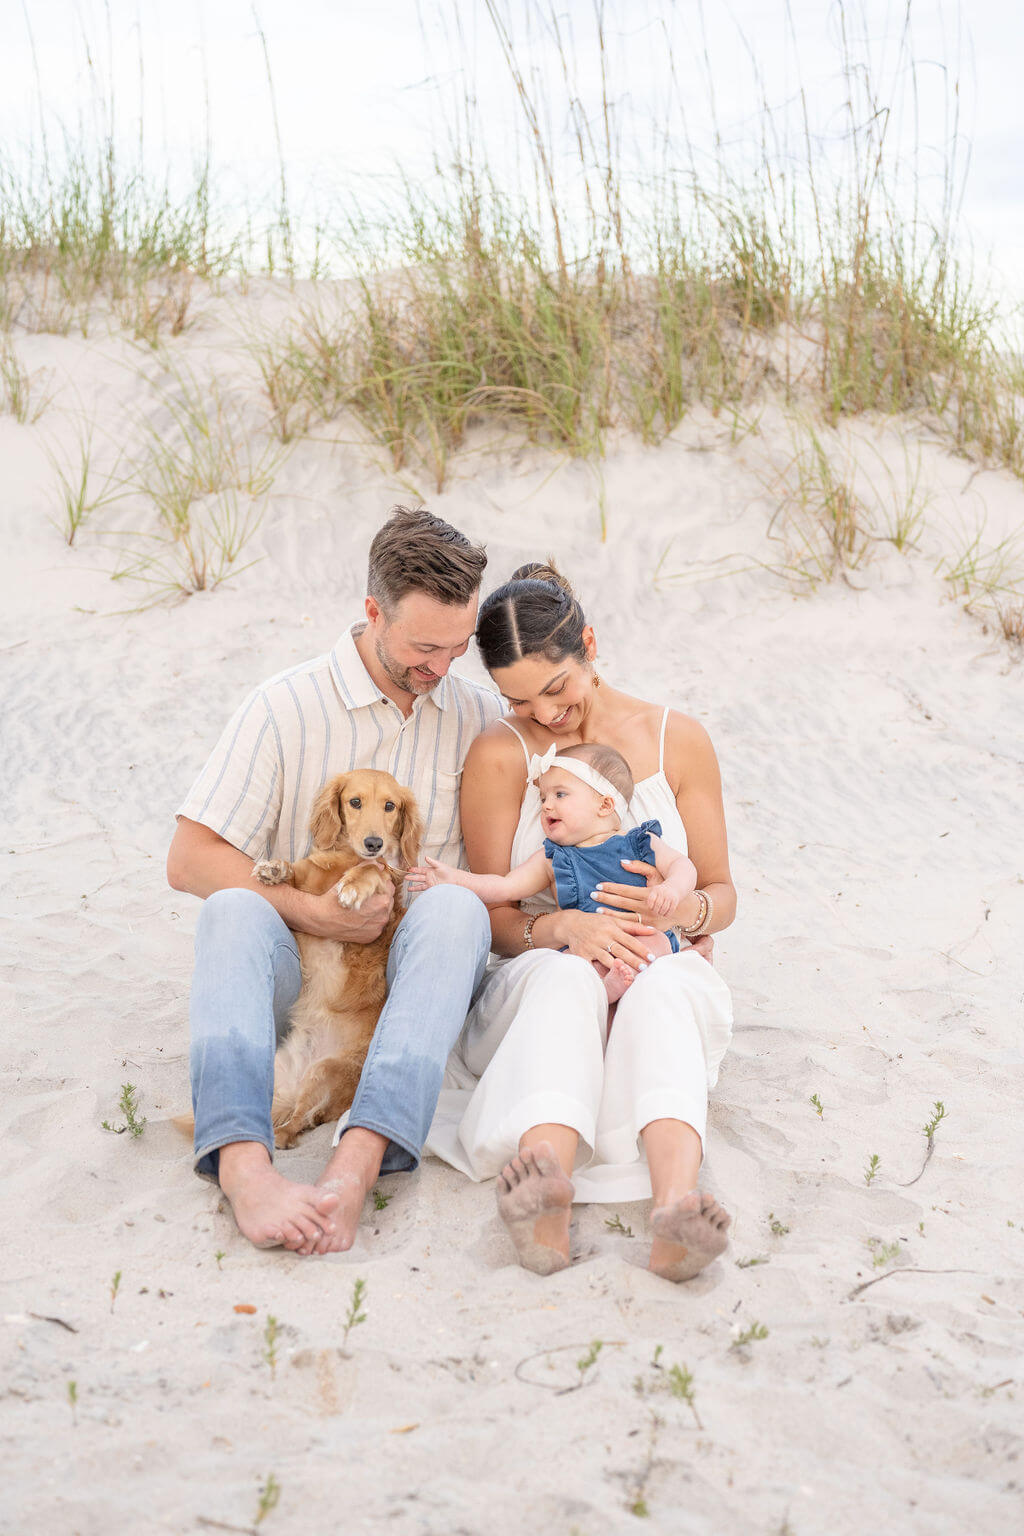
350, 1175
534, 1202
270, 1210
688, 1234
350, 1191
616, 979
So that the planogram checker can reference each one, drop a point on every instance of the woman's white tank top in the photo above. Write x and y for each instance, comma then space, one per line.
652, 800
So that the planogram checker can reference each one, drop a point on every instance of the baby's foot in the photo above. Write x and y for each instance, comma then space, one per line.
534, 1202
617, 979
688, 1234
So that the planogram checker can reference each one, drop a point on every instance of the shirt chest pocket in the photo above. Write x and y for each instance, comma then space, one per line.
437, 795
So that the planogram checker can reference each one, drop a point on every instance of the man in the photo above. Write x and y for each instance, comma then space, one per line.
382, 698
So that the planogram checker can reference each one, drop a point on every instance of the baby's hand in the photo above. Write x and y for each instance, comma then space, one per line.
661, 900
421, 879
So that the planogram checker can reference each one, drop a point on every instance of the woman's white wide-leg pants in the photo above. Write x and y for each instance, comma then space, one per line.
537, 1042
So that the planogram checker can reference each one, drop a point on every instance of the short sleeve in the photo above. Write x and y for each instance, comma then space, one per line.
238, 793
564, 867
639, 840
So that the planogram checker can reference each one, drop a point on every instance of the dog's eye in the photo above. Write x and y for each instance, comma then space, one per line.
356, 803
389, 805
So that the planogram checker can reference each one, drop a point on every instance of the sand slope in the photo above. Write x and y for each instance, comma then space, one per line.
872, 746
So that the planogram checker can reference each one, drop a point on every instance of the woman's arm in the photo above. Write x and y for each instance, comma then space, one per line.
692, 769
493, 785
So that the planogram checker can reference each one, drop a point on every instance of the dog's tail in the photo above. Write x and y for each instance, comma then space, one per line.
186, 1124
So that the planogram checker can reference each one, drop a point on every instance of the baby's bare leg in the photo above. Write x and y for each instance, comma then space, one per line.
616, 977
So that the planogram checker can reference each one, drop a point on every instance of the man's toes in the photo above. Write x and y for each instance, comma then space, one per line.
292, 1237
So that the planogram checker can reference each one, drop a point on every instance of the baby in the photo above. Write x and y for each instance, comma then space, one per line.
584, 794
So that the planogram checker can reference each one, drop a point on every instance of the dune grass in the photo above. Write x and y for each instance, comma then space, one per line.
580, 302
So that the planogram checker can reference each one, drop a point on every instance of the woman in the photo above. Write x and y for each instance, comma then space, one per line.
555, 1093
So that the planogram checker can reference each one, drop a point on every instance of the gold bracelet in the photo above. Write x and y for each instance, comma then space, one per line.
528, 930
705, 914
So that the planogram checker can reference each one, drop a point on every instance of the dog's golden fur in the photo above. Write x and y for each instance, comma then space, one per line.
317, 1065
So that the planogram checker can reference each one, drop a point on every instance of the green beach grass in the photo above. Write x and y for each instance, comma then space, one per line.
832, 292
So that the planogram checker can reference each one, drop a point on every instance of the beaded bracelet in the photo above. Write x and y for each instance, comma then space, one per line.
705, 915
528, 930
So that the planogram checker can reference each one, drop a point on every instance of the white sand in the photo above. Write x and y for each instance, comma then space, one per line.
872, 747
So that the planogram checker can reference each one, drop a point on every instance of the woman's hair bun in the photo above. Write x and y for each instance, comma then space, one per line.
538, 571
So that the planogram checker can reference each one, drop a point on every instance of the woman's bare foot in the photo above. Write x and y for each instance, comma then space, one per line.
688, 1234
534, 1202
270, 1210
616, 979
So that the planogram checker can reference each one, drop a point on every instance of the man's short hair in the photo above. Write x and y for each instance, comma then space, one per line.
417, 552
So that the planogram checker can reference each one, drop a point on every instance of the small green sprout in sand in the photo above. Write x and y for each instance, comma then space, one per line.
938, 1113
354, 1315
872, 1168
680, 1384
882, 1253
587, 1362
818, 1106
748, 1335
920, 1228
614, 1224
270, 1493
380, 1201
115, 1286
128, 1104
271, 1330
220, 1254
749, 1263
73, 1400
776, 1226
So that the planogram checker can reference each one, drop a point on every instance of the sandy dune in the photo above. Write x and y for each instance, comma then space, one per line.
872, 743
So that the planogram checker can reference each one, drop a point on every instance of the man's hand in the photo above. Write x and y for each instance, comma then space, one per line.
325, 919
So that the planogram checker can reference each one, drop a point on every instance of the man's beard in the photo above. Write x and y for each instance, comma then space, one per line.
403, 677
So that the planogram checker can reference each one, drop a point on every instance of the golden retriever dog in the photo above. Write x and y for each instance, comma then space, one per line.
363, 824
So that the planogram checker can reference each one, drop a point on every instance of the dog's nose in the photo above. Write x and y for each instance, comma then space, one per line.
373, 845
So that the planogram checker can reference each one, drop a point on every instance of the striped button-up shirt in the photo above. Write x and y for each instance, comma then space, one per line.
325, 717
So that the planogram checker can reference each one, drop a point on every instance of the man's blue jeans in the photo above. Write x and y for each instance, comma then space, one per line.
247, 977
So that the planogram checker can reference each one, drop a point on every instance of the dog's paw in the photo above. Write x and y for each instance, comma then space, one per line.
272, 871
359, 885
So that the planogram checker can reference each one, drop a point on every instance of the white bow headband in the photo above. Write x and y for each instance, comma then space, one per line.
540, 763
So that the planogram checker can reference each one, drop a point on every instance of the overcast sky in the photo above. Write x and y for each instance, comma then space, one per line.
363, 88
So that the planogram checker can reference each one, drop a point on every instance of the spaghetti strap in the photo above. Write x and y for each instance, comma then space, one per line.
509, 726
661, 743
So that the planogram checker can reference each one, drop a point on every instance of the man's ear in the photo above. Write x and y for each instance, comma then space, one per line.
373, 610
328, 820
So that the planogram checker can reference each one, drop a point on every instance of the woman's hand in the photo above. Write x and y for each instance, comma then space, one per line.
643, 903
607, 937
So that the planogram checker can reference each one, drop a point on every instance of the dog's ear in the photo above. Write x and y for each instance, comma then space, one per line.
410, 834
328, 819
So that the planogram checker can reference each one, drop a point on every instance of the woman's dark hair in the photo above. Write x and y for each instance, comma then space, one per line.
536, 613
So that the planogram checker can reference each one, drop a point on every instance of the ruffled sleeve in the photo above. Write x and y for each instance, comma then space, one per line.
639, 840
564, 866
